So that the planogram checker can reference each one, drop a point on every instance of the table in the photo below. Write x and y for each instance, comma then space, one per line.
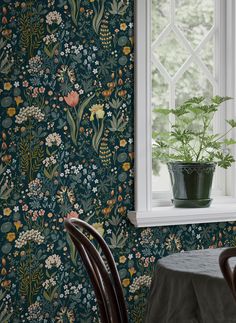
188, 287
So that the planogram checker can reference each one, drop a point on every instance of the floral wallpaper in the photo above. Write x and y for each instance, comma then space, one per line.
66, 118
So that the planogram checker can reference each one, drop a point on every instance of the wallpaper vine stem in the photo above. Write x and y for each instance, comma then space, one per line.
66, 95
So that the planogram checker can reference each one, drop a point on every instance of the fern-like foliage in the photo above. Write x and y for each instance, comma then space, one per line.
31, 157
31, 32
30, 281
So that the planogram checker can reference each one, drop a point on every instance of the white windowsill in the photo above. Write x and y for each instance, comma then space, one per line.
221, 210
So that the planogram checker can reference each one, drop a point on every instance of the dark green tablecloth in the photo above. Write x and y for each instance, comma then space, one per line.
189, 288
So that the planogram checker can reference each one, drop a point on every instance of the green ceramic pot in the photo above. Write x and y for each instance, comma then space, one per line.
191, 183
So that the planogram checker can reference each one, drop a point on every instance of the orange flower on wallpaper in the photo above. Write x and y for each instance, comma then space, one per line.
122, 259
72, 99
122, 210
50, 214
106, 211
11, 112
132, 271
18, 224
126, 166
107, 93
11, 236
6, 283
6, 158
126, 50
7, 211
126, 282
123, 26
122, 93
123, 142
7, 86
18, 100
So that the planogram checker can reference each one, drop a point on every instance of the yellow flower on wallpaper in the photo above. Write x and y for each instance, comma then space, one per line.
126, 166
123, 26
123, 142
122, 259
7, 211
106, 211
18, 100
126, 282
7, 86
126, 50
11, 112
99, 227
97, 109
11, 236
132, 271
18, 224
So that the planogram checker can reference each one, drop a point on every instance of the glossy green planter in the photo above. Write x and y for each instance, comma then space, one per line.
191, 183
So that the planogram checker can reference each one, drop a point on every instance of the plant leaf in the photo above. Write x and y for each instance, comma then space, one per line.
72, 125
232, 123
81, 109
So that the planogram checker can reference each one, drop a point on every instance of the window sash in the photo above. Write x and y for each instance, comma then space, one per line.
143, 124
217, 78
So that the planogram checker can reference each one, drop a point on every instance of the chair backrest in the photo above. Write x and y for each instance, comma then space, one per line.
228, 273
104, 275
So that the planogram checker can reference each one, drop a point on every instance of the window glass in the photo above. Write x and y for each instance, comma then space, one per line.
183, 47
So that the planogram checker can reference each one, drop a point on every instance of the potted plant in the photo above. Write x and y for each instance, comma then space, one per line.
192, 151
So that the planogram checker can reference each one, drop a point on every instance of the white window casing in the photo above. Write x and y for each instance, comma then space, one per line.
223, 208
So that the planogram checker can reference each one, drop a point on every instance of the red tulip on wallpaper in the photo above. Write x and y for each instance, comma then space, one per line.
74, 117
72, 99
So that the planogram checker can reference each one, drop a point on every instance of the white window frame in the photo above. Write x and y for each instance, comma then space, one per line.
222, 209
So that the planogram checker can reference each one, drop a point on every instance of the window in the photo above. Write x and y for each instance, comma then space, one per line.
174, 45
186, 61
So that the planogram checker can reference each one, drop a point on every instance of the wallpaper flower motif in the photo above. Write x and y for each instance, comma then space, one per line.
66, 96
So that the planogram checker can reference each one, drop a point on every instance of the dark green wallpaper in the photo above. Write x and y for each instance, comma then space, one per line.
66, 95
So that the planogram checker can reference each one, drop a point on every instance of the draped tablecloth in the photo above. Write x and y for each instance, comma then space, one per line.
189, 287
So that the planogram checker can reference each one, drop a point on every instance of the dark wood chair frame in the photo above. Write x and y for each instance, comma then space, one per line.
228, 273
104, 276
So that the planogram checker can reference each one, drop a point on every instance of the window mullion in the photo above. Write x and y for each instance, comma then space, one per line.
220, 88
230, 86
143, 149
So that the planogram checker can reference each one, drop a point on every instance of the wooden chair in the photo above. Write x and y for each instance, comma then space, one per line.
228, 273
103, 274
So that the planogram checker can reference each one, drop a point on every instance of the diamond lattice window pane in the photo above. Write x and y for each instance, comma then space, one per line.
171, 53
194, 18
160, 98
160, 90
160, 16
207, 55
193, 83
